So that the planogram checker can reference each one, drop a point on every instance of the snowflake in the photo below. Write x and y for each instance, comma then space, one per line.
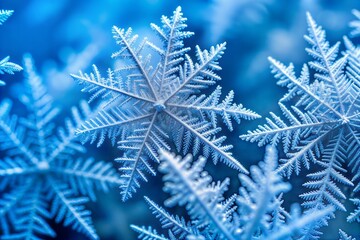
257, 214
148, 106
322, 126
39, 176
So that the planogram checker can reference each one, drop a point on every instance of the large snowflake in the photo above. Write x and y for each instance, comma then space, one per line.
322, 123
40, 178
149, 107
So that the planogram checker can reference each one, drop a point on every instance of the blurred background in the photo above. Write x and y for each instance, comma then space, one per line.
66, 36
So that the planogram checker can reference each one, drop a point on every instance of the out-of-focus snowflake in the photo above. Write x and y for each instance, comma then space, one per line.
40, 176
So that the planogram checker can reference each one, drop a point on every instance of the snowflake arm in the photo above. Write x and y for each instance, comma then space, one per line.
148, 233
97, 85
297, 222
30, 217
71, 210
352, 52
40, 103
174, 50
134, 163
355, 215
111, 123
300, 86
12, 134
8, 203
10, 168
328, 70
353, 73
4, 15
84, 176
305, 154
276, 129
355, 24
257, 193
323, 183
354, 152
211, 107
64, 145
204, 133
177, 225
199, 75
125, 41
8, 67
5, 65
191, 187
344, 236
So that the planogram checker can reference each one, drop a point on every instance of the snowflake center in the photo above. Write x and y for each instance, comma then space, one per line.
159, 106
345, 120
43, 166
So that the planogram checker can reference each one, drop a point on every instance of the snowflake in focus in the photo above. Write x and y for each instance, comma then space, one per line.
150, 108
322, 125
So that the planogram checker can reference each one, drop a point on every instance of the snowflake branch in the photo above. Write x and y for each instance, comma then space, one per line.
226, 156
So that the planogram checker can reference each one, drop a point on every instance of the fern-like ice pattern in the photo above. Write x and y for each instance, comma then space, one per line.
321, 126
5, 65
256, 213
40, 178
150, 107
